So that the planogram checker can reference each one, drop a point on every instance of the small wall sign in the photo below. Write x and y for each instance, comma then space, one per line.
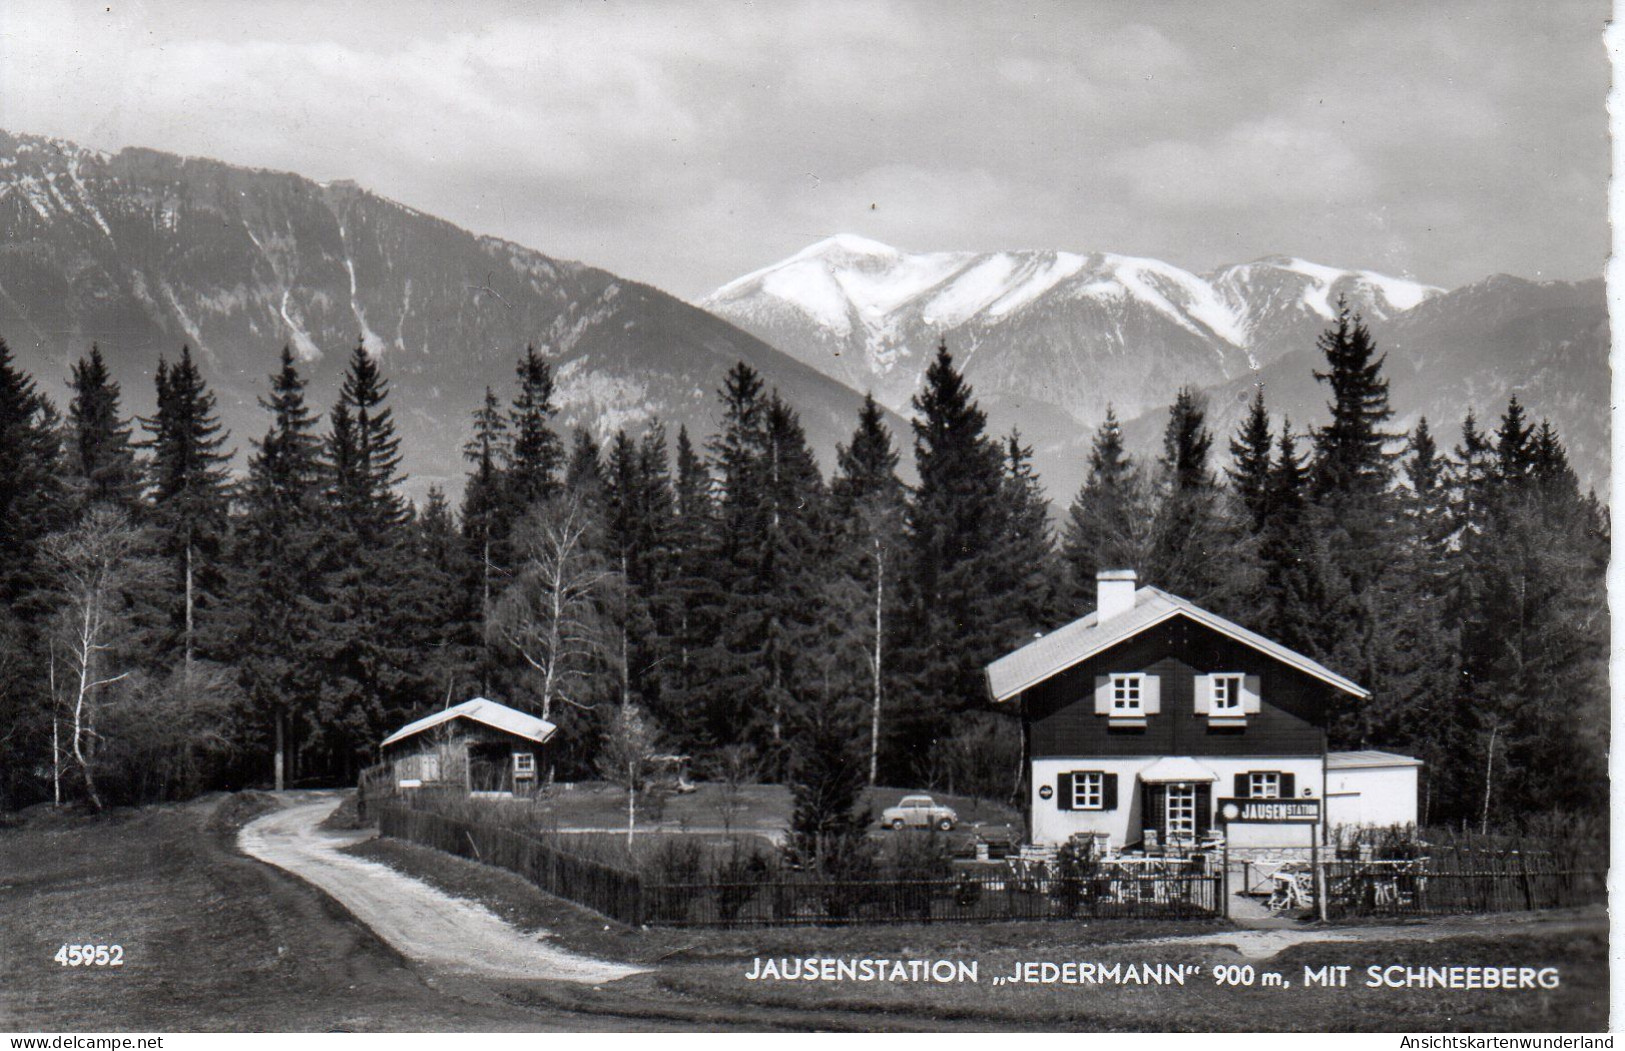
1046, 791
1270, 811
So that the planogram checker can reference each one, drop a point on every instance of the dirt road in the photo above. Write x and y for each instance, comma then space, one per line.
420, 922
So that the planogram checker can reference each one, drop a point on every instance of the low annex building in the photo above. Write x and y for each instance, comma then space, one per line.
479, 746
1153, 722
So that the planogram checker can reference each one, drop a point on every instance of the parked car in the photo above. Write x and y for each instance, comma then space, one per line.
919, 812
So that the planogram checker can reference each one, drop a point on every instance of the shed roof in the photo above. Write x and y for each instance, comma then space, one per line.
1083, 638
485, 711
1367, 759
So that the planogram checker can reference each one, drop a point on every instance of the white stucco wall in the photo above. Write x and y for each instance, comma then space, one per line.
1380, 795
1053, 826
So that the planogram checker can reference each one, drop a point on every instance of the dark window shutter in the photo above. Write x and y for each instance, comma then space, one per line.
1204, 808
1108, 791
1063, 791
1243, 783
1156, 811
1289, 786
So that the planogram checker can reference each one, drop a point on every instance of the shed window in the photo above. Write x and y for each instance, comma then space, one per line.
524, 763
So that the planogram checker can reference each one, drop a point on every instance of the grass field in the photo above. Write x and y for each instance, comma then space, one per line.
762, 809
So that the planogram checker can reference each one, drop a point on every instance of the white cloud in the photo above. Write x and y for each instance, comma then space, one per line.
1259, 162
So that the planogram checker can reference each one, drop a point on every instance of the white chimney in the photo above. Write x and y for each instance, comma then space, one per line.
1114, 593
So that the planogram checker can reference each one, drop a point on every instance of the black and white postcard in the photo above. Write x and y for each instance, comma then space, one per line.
808, 516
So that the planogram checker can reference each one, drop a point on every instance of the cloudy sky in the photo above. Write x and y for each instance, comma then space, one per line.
685, 143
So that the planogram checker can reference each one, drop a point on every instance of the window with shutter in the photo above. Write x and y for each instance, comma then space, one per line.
1088, 790
1224, 695
1128, 693
1264, 784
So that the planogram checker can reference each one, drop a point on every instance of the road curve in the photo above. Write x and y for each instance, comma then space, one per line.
425, 925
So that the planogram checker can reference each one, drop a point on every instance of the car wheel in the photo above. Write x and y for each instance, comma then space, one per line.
945, 825
897, 824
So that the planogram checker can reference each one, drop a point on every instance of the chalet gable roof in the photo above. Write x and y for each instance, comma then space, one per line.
1083, 638
485, 711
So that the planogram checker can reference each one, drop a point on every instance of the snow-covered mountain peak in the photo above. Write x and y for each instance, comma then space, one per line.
1377, 295
848, 248
868, 314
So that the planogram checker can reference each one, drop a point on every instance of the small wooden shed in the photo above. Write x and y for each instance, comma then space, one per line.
478, 746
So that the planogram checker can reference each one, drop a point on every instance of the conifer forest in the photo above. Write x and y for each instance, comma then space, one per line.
170, 624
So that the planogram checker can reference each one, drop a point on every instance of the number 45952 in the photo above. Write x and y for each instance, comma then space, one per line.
90, 956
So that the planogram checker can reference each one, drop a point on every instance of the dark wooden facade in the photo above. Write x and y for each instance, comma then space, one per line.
1060, 711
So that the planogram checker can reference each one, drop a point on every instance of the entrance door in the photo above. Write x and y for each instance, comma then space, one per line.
1180, 816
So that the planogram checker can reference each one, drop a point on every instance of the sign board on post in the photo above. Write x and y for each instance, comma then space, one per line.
1270, 811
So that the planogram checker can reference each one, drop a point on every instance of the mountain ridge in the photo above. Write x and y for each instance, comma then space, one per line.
1050, 339
142, 251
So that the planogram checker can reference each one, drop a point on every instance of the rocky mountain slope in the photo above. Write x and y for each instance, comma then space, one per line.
143, 251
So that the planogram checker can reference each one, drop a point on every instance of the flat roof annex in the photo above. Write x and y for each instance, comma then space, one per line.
1083, 638
481, 710
1368, 760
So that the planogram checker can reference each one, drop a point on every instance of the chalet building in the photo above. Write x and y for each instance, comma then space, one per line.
478, 746
1155, 723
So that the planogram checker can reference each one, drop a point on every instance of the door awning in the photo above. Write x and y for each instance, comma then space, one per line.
1172, 769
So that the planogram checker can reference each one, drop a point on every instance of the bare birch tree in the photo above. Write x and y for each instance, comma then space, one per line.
553, 614
628, 756
97, 563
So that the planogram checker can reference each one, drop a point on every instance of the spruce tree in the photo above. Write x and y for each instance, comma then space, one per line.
447, 619
1352, 459
584, 472
1292, 556
279, 589
955, 525
101, 460
33, 500
1250, 458
1109, 523
1027, 556
867, 509
33, 505
485, 521
188, 479
694, 600
371, 627
535, 455
638, 525
1192, 545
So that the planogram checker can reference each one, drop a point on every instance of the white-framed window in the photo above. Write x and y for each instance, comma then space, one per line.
1264, 784
1225, 696
524, 763
1128, 693
1089, 790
